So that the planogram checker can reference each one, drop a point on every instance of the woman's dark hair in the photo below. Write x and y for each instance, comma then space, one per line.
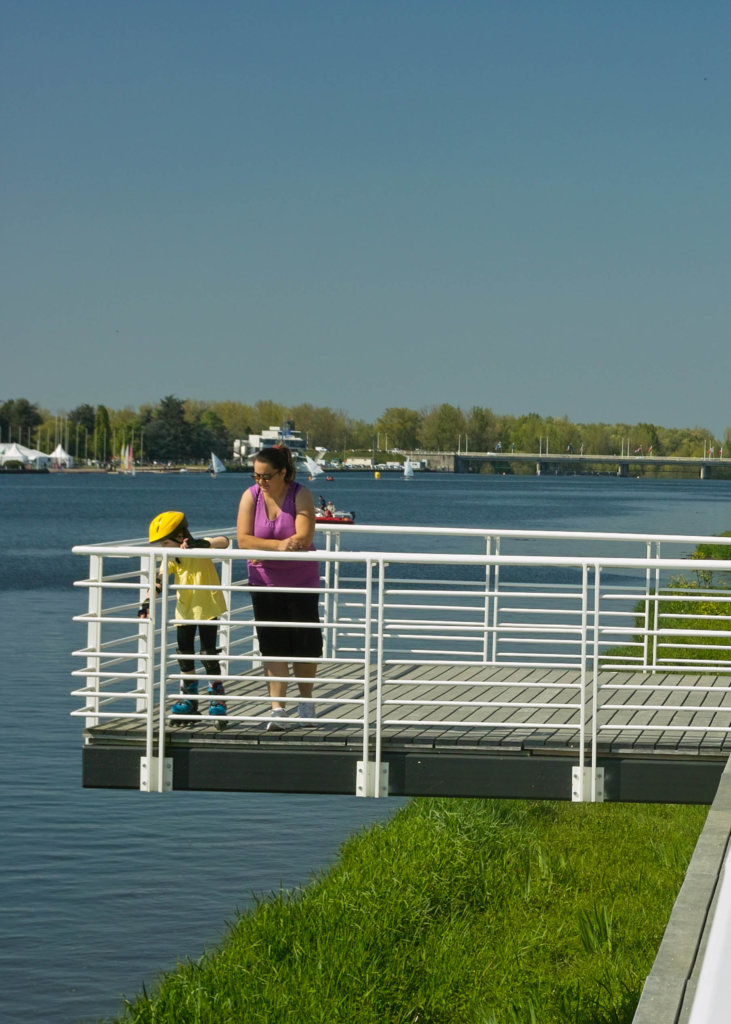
278, 456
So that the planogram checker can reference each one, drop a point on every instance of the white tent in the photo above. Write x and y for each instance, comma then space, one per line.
18, 453
61, 457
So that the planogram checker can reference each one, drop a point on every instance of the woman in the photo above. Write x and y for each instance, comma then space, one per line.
277, 514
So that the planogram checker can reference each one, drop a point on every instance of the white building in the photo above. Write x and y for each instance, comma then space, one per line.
295, 440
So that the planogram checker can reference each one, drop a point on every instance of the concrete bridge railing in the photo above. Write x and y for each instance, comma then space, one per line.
545, 463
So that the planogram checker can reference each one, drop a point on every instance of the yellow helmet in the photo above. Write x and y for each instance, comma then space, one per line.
165, 525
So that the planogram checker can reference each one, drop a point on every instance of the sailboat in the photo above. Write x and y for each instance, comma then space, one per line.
408, 469
216, 465
312, 467
126, 461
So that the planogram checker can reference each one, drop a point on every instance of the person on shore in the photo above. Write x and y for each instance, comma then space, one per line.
170, 529
278, 514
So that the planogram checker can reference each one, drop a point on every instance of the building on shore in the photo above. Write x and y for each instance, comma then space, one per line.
295, 440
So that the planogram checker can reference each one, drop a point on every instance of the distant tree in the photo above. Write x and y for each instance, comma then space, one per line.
597, 439
688, 442
360, 434
268, 414
525, 432
645, 436
126, 430
18, 419
561, 434
400, 426
236, 417
440, 428
102, 433
323, 427
168, 434
189, 430
480, 427
210, 434
80, 430
83, 416
101, 420
505, 432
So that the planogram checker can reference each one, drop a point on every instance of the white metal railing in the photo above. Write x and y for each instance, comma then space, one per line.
408, 629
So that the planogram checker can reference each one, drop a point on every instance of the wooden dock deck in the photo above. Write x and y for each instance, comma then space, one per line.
508, 732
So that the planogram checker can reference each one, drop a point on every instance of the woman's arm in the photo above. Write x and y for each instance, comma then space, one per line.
305, 522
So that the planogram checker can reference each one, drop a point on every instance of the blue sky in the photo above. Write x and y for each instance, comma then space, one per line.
363, 204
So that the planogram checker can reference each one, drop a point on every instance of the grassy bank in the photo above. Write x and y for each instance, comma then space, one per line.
487, 912
698, 601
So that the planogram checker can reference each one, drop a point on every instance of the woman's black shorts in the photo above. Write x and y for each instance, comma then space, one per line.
287, 642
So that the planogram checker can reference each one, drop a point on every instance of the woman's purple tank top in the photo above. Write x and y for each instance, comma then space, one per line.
280, 574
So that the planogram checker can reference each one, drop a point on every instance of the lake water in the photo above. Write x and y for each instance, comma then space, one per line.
102, 890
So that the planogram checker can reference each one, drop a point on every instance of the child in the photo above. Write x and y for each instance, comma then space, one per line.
170, 529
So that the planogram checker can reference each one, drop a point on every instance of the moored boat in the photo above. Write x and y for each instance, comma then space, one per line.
323, 515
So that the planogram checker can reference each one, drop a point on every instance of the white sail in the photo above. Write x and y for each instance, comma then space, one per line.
312, 468
408, 469
216, 465
126, 460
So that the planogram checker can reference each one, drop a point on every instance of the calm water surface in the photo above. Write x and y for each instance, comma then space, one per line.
102, 890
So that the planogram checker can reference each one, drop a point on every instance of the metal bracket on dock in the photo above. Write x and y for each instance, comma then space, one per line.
581, 787
149, 775
367, 776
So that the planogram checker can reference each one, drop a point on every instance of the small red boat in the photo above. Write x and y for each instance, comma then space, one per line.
336, 517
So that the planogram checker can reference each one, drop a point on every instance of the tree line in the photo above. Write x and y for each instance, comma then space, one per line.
183, 430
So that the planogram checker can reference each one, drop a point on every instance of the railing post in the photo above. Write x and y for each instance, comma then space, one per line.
224, 631
495, 602
146, 641
159, 769
328, 600
646, 616
489, 570
372, 776
595, 684
589, 778
656, 612
94, 635
334, 603
579, 793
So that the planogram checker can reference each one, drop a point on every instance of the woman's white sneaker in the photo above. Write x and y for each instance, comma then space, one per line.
277, 720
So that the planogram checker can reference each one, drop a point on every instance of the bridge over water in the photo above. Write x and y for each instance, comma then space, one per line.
544, 462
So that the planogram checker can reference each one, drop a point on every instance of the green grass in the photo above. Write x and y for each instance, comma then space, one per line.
697, 601
466, 911
479, 911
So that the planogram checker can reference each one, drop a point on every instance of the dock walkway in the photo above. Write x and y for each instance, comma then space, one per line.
487, 732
